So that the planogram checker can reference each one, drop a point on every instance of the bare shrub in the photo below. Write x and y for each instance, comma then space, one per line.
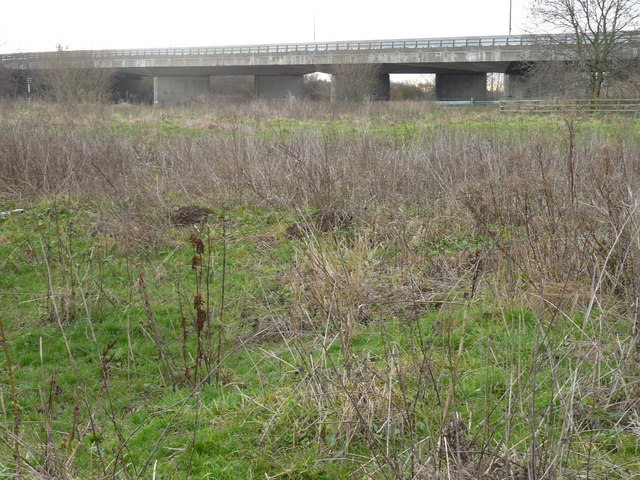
356, 82
317, 88
72, 78
554, 209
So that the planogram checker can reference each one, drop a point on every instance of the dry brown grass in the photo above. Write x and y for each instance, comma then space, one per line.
547, 206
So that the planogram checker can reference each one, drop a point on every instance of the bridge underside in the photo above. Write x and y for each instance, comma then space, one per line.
455, 81
349, 82
382, 68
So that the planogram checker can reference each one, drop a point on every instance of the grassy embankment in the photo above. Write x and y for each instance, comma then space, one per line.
381, 291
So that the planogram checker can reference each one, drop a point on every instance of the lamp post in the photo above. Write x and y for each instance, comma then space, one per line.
510, 10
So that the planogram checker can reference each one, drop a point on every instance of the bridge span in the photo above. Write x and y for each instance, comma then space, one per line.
460, 64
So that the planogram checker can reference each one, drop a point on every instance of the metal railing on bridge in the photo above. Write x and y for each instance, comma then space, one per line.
573, 106
405, 44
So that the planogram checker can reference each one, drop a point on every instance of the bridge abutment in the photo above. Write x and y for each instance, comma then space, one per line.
345, 87
461, 86
171, 90
273, 87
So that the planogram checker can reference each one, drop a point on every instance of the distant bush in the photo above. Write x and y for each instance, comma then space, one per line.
412, 91
317, 88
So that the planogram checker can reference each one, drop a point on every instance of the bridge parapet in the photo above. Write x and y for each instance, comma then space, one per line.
400, 44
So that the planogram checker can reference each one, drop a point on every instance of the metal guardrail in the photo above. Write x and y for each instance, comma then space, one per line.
450, 42
583, 105
464, 102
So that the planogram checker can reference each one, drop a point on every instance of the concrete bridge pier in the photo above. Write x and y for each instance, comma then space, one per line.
170, 90
272, 87
516, 85
356, 87
461, 86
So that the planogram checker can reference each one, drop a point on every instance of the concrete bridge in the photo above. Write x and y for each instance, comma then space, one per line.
460, 64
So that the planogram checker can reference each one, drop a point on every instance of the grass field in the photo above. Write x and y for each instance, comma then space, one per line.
307, 291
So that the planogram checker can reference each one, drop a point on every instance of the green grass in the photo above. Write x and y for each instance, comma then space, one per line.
258, 391
194, 123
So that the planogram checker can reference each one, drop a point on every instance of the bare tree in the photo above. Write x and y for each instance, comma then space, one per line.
600, 30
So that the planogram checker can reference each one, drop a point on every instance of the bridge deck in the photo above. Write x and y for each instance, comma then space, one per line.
352, 45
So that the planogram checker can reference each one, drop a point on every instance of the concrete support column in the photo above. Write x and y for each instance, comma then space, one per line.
517, 86
279, 86
461, 86
356, 88
168, 91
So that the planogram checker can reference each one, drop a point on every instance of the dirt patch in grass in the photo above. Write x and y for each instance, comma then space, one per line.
189, 215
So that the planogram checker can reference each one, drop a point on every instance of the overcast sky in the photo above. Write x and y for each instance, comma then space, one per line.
40, 25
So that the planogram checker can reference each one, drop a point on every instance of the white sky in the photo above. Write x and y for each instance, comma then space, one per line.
40, 25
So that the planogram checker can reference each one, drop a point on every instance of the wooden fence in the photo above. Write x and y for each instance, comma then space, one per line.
578, 106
